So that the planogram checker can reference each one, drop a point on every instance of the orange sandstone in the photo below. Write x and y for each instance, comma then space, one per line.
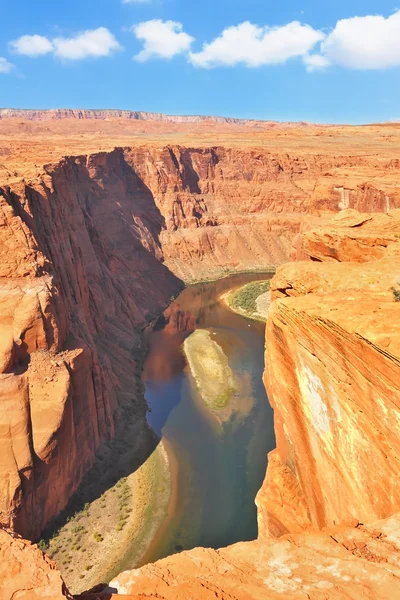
85, 237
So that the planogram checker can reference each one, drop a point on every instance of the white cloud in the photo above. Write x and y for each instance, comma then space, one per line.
315, 62
255, 46
162, 39
92, 43
5, 65
370, 42
32, 45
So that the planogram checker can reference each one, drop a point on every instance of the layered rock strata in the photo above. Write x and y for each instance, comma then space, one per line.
333, 358
332, 374
26, 573
80, 272
88, 244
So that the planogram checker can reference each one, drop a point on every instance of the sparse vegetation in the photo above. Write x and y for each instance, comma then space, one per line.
78, 529
43, 545
396, 293
210, 369
245, 299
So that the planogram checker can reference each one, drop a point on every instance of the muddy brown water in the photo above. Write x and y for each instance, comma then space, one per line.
217, 468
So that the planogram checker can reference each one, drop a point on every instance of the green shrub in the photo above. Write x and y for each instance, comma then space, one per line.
246, 298
43, 545
396, 294
78, 529
98, 537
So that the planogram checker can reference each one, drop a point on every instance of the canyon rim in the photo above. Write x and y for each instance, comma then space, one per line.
104, 217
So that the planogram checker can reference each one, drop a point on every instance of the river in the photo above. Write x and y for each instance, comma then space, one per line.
216, 469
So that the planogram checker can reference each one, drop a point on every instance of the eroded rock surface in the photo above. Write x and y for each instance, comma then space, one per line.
80, 271
339, 564
88, 243
333, 357
26, 573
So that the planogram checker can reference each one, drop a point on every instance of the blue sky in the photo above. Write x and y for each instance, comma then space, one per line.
284, 60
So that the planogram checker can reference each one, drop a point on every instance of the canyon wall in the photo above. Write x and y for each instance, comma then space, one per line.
89, 245
332, 372
227, 209
95, 244
80, 272
333, 360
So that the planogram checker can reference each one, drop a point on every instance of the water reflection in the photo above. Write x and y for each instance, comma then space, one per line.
216, 472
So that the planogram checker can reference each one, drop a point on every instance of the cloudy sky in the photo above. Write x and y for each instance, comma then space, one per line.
316, 60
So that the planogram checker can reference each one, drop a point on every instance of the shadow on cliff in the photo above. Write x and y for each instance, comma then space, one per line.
133, 444
97, 228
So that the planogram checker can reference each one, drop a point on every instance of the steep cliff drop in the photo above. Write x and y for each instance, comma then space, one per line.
332, 360
90, 243
332, 370
79, 257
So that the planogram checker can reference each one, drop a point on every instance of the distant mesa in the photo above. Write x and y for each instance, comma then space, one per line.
132, 115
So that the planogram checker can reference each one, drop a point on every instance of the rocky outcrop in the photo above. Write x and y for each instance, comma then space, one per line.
80, 272
26, 573
339, 564
333, 359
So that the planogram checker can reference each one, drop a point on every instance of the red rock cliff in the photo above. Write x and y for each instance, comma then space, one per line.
80, 269
88, 244
332, 371
333, 359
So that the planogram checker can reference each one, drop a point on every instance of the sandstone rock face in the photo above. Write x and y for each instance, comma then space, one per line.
81, 266
337, 564
80, 256
333, 354
88, 243
26, 573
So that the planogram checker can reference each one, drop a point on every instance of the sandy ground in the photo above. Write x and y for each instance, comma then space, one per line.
210, 368
114, 532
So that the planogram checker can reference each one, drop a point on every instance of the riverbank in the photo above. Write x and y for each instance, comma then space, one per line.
122, 522
222, 274
251, 300
152, 493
